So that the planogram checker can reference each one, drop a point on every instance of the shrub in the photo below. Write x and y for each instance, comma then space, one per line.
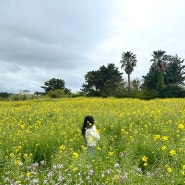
58, 93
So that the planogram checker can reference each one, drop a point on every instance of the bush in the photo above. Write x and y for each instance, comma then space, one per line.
18, 97
173, 91
58, 93
4, 95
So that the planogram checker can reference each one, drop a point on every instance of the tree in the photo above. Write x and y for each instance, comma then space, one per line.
150, 80
160, 60
175, 74
4, 95
160, 64
102, 82
172, 74
55, 84
136, 84
128, 62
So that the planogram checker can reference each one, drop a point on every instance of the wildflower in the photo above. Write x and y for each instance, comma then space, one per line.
19, 147
59, 166
181, 126
75, 155
50, 174
42, 162
110, 154
108, 171
156, 137
90, 172
11, 154
163, 148
35, 181
18, 162
62, 148
164, 138
144, 159
145, 164
183, 173
28, 174
183, 167
139, 170
19, 181
116, 177
123, 178
75, 169
169, 170
172, 152
25, 156
121, 154
60, 178
116, 165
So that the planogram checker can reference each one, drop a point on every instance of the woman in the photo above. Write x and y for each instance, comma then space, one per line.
90, 134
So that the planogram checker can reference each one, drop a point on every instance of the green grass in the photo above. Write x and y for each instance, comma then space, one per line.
142, 142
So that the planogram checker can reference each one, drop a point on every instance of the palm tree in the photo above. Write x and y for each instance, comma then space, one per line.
160, 60
128, 62
160, 64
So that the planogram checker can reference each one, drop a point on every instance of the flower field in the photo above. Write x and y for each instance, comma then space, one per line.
142, 142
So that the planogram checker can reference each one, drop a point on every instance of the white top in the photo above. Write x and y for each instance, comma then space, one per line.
92, 136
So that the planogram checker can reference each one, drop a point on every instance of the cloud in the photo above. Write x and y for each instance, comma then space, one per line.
42, 39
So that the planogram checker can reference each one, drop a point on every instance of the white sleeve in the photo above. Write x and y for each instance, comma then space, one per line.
94, 128
95, 135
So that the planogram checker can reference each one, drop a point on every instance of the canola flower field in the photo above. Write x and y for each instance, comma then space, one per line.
142, 142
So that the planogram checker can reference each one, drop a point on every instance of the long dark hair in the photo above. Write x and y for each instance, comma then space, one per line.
88, 122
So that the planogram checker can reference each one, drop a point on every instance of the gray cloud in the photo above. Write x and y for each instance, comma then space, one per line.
42, 39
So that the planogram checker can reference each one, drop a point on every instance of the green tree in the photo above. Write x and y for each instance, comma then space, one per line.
4, 95
128, 62
150, 80
102, 82
175, 74
55, 84
160, 64
136, 84
170, 77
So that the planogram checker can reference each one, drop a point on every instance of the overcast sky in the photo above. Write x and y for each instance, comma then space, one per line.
44, 39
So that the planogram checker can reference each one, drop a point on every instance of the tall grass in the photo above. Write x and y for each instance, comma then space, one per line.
142, 142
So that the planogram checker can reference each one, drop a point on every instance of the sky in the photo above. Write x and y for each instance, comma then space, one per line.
45, 39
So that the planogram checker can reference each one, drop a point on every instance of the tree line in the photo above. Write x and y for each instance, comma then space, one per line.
165, 79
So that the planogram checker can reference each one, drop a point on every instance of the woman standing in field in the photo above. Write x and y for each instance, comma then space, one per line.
90, 134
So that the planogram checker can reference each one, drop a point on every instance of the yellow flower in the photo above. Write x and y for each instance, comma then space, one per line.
172, 152
12, 155
25, 156
19, 181
156, 137
62, 147
75, 154
163, 148
145, 164
19, 147
18, 162
164, 138
181, 126
28, 174
183, 167
116, 177
110, 154
144, 159
169, 170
